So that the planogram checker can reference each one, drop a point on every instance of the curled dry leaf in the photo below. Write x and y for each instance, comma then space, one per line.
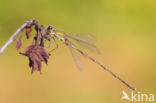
18, 43
36, 55
28, 30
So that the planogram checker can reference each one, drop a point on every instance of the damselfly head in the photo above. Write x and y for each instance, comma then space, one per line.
51, 30
50, 27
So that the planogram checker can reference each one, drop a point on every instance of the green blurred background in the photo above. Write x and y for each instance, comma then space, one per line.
126, 34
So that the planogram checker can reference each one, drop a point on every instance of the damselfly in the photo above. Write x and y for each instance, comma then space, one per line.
52, 33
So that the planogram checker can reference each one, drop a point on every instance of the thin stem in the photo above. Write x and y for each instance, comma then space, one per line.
12, 38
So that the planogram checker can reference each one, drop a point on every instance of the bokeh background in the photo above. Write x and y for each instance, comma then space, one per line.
126, 34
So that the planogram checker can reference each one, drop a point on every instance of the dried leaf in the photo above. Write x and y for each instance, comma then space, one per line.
18, 43
28, 31
36, 55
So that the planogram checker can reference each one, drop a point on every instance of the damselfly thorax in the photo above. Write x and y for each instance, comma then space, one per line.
61, 35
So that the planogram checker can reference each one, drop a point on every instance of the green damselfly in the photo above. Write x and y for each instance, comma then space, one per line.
88, 42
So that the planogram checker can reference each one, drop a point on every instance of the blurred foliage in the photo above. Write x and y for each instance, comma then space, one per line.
126, 35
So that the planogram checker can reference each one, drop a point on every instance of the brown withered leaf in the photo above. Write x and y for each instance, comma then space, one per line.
36, 55
28, 30
18, 43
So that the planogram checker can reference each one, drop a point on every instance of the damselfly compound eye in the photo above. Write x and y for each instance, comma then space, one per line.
50, 27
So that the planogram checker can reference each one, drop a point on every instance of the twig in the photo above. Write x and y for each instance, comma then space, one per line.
12, 38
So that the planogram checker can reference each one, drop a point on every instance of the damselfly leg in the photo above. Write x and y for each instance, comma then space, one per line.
56, 45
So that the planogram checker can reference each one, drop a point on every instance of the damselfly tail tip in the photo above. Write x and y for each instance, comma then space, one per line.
131, 87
